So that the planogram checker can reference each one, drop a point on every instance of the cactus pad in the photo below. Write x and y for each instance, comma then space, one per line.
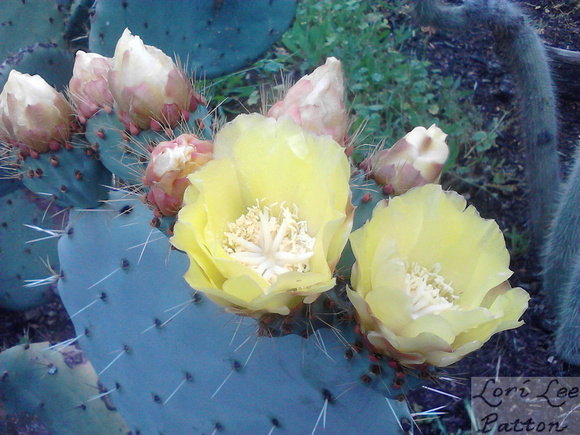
21, 261
124, 289
58, 388
54, 64
211, 38
72, 177
24, 23
127, 156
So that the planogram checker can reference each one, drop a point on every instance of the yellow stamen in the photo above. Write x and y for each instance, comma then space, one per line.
428, 290
268, 244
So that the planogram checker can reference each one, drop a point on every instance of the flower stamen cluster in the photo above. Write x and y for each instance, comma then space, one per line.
270, 245
429, 292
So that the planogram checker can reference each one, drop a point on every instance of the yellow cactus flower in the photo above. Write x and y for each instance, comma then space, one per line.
430, 279
265, 222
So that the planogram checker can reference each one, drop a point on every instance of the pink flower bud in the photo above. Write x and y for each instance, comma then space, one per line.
415, 160
146, 84
316, 102
34, 116
171, 162
89, 86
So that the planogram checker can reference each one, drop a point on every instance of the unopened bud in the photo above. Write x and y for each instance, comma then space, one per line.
415, 160
171, 162
33, 114
89, 85
146, 84
316, 102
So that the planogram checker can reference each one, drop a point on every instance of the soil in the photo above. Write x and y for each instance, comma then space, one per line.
527, 351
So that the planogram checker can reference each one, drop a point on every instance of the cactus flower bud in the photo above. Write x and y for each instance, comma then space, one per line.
89, 85
34, 116
171, 162
415, 160
316, 102
149, 89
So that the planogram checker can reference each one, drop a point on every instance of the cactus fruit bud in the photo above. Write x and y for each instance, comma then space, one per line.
33, 115
415, 160
316, 102
146, 84
171, 162
89, 87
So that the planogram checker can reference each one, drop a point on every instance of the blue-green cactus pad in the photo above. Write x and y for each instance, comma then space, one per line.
52, 63
366, 194
78, 180
8, 183
24, 23
56, 387
21, 261
179, 364
211, 37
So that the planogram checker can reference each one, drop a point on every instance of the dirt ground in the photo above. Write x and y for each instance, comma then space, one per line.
527, 351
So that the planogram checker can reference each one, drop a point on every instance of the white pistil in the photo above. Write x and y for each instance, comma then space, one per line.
428, 290
173, 159
270, 245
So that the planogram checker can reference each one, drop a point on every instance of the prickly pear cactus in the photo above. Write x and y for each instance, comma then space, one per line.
56, 388
123, 287
25, 266
8, 184
210, 37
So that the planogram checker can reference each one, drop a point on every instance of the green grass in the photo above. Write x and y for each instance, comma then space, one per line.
388, 89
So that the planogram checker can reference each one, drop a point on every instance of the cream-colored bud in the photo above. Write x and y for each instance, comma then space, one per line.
33, 113
316, 102
415, 160
171, 163
147, 85
89, 85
